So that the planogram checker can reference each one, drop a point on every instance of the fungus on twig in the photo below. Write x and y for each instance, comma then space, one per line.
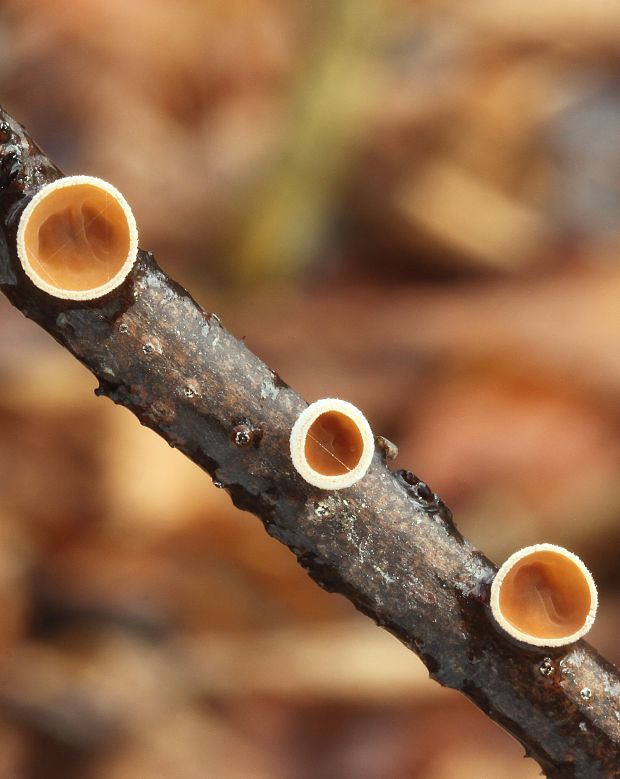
331, 444
544, 595
394, 552
77, 238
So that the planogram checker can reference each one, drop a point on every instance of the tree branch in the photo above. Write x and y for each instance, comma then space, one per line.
388, 544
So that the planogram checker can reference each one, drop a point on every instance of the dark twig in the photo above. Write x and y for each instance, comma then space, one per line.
388, 544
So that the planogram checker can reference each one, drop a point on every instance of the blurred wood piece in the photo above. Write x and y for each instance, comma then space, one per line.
460, 213
347, 661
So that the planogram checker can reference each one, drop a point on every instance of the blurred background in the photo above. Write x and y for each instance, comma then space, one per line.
411, 205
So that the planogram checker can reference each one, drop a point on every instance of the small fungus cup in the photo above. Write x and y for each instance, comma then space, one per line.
544, 595
77, 238
331, 444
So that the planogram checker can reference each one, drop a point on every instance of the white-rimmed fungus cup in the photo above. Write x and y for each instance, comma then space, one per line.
77, 239
332, 444
545, 596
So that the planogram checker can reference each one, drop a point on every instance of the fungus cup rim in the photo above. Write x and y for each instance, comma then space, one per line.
92, 293
526, 638
299, 433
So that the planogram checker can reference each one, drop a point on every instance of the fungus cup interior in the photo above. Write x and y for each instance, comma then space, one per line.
77, 237
334, 444
545, 595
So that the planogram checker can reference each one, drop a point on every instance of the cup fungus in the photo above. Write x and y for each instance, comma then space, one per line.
544, 595
77, 238
331, 444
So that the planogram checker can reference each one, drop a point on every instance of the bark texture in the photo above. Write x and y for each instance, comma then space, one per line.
388, 544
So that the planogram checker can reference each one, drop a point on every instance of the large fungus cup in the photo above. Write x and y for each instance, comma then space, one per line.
77, 238
331, 444
544, 595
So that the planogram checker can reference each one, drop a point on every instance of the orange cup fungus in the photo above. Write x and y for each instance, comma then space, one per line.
77, 238
544, 595
331, 444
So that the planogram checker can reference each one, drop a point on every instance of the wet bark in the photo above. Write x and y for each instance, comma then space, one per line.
388, 544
